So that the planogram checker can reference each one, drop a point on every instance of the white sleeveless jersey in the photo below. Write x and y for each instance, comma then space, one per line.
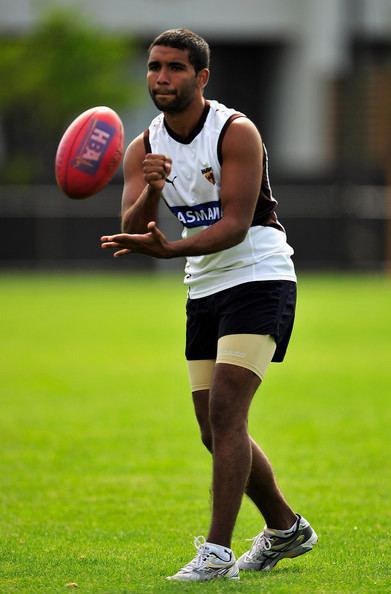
192, 193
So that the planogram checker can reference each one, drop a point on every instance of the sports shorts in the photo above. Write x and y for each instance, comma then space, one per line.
259, 307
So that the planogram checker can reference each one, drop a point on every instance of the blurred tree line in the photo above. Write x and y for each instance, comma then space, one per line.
48, 77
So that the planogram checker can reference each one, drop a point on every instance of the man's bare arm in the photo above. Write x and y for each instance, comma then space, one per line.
241, 183
144, 177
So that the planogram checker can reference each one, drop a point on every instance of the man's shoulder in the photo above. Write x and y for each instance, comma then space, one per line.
219, 109
221, 116
156, 122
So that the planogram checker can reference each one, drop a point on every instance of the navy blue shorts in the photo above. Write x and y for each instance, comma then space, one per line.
260, 307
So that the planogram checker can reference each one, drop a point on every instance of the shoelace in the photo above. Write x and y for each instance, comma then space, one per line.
261, 542
202, 555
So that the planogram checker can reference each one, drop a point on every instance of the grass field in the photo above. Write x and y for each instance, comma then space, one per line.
103, 481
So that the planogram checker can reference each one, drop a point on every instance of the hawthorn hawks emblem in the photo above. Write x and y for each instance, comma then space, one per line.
207, 172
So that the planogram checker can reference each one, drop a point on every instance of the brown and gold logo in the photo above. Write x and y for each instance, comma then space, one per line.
207, 172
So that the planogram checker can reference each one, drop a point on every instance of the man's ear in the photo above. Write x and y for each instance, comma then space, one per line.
203, 77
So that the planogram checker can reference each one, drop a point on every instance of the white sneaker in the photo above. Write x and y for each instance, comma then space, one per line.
211, 562
269, 548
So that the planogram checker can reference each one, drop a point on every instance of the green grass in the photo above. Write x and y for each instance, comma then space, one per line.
103, 481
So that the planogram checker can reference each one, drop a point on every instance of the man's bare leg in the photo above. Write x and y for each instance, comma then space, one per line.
240, 464
231, 393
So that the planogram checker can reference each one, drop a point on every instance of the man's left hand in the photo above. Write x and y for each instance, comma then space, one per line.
153, 243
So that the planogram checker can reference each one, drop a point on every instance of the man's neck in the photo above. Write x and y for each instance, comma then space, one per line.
184, 123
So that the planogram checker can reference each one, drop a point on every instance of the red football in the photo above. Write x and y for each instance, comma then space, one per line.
89, 152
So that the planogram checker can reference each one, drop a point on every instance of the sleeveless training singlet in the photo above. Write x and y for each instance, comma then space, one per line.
192, 193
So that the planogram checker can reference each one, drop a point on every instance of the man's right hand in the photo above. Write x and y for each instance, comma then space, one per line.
155, 169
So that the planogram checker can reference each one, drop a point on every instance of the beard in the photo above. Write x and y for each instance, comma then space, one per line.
176, 102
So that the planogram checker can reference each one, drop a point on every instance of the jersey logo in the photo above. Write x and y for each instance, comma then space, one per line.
202, 215
171, 181
207, 172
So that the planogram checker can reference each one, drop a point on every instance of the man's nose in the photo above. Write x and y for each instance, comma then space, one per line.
163, 77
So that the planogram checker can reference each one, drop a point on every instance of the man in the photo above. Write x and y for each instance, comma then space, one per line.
209, 165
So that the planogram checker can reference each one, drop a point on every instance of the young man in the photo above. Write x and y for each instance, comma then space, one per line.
209, 165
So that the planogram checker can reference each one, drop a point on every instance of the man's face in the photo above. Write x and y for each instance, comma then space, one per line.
172, 80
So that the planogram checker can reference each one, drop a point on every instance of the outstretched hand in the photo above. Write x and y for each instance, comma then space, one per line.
153, 243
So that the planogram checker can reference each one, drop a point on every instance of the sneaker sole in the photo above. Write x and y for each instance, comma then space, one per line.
220, 576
